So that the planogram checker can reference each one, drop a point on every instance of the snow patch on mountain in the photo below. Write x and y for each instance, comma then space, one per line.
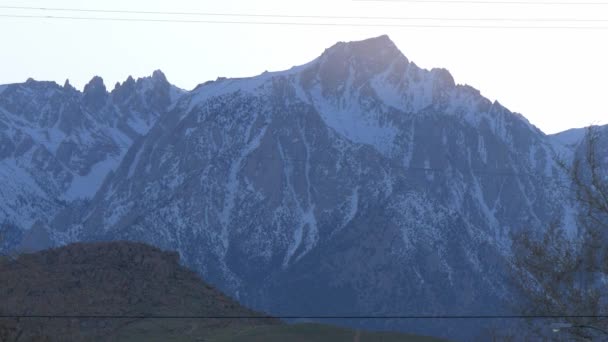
353, 206
247, 85
63, 142
354, 122
304, 238
566, 142
135, 162
418, 218
233, 183
16, 194
83, 187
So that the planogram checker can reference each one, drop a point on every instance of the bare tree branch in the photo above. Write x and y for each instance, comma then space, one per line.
560, 275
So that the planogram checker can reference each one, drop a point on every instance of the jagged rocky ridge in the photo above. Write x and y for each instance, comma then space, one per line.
57, 144
357, 183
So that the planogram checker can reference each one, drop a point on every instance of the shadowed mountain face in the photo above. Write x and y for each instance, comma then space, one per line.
111, 279
57, 144
357, 184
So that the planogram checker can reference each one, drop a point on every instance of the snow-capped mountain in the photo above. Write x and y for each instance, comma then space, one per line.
57, 144
356, 184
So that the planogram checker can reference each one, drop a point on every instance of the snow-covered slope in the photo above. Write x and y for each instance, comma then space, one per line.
356, 183
359, 181
57, 144
565, 143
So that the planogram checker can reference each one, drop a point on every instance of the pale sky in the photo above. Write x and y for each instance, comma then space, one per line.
554, 77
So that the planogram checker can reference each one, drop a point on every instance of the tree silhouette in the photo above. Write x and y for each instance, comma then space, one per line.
561, 275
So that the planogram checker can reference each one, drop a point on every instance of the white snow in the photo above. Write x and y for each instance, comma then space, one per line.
176, 93
355, 123
409, 153
18, 185
118, 137
116, 213
564, 143
353, 207
421, 95
233, 182
83, 187
233, 85
387, 92
305, 218
481, 149
50, 138
135, 161
138, 124
481, 202
13, 176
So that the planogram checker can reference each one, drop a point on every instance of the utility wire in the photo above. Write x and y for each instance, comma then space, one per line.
282, 16
285, 23
303, 317
489, 2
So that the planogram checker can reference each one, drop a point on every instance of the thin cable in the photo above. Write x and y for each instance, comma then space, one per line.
487, 2
303, 317
326, 24
249, 15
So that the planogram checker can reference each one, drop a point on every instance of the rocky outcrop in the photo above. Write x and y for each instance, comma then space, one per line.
117, 279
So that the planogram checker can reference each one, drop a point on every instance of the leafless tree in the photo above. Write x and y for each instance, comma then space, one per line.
561, 275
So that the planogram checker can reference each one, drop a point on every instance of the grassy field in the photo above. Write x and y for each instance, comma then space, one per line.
313, 332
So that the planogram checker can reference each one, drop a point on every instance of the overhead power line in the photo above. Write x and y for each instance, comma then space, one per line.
490, 2
319, 317
283, 16
285, 23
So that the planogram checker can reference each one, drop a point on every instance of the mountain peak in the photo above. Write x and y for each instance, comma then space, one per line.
158, 75
379, 49
68, 85
379, 41
357, 62
382, 41
130, 80
123, 91
157, 79
94, 84
95, 93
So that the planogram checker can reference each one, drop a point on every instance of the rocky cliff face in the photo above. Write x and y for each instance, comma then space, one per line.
57, 144
358, 183
360, 180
